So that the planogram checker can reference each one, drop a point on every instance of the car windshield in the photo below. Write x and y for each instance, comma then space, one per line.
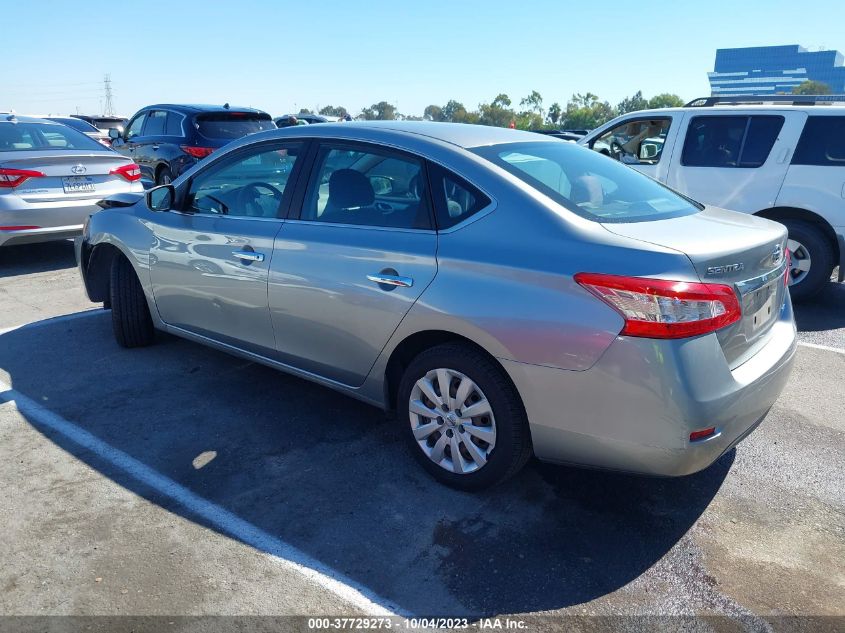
230, 125
26, 137
593, 186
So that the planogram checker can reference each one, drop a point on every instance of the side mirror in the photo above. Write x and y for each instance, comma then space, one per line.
382, 185
161, 198
114, 133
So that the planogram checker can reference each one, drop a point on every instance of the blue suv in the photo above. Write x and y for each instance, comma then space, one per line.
167, 139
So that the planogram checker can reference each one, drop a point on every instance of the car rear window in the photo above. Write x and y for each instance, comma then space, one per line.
26, 137
107, 124
595, 187
231, 125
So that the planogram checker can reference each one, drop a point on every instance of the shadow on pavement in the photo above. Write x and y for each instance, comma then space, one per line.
331, 477
25, 259
825, 312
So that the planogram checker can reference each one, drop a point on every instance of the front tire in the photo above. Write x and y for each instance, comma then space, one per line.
812, 259
477, 435
130, 314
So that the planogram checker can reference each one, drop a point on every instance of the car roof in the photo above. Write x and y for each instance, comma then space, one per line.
22, 118
201, 107
461, 134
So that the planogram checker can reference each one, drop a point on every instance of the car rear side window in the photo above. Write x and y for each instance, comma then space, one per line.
454, 198
730, 141
587, 183
156, 123
353, 185
174, 124
822, 142
231, 125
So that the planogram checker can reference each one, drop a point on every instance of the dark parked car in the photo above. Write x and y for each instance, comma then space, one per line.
166, 139
103, 123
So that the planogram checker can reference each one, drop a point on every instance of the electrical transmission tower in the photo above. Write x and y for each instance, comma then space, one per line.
108, 110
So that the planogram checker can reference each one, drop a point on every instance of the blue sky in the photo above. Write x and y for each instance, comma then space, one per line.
280, 56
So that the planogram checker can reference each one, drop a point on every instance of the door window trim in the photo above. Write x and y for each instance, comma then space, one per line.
233, 156
360, 146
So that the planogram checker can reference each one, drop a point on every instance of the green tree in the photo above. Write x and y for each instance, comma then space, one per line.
334, 111
632, 104
381, 111
555, 112
497, 113
433, 113
455, 112
810, 87
305, 111
585, 112
665, 100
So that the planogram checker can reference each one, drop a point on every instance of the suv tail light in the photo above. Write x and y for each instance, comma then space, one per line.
658, 308
196, 152
13, 177
130, 172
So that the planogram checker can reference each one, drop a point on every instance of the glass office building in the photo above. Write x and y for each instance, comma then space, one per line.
768, 70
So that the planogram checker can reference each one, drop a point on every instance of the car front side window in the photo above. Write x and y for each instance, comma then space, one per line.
637, 141
251, 184
135, 127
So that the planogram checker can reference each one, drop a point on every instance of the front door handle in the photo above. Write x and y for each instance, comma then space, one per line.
391, 280
249, 256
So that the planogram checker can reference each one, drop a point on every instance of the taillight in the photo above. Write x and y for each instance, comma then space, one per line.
13, 177
130, 172
197, 152
657, 308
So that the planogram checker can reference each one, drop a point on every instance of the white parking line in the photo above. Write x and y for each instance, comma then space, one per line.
228, 523
826, 348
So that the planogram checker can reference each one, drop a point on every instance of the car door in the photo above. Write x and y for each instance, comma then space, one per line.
736, 160
128, 142
211, 256
348, 267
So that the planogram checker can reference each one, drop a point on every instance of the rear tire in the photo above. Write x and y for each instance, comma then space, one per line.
130, 314
511, 447
810, 243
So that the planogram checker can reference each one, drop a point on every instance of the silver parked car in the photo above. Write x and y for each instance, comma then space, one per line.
502, 292
51, 178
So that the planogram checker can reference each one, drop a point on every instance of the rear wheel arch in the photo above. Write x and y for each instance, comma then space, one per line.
781, 214
414, 345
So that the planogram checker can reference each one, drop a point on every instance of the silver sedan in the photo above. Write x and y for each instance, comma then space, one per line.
504, 293
51, 178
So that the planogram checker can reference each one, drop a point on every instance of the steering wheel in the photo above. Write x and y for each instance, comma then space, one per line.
616, 148
251, 192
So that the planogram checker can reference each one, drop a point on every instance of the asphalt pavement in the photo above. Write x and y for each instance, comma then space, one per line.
177, 480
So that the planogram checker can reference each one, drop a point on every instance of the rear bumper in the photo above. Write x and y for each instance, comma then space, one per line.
43, 234
635, 408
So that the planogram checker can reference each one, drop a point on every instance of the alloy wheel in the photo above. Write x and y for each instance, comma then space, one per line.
800, 261
452, 420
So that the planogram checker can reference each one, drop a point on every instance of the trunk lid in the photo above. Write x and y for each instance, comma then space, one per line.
64, 179
729, 248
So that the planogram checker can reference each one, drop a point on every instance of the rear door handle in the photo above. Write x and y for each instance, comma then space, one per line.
391, 280
155, 148
249, 256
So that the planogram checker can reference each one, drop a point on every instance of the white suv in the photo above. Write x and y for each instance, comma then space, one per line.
783, 159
